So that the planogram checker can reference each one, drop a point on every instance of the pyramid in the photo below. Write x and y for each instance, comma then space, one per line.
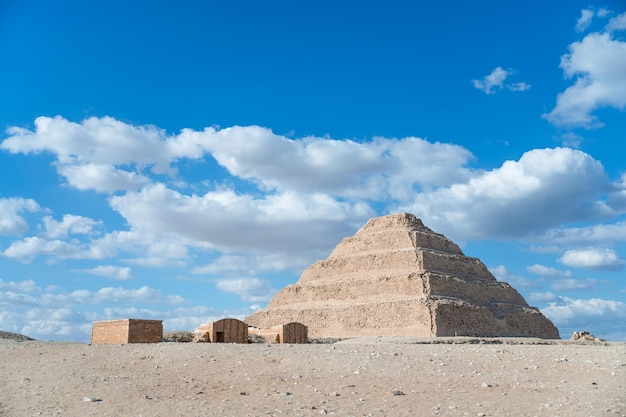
396, 277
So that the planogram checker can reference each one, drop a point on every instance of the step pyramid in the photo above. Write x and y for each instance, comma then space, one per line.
395, 276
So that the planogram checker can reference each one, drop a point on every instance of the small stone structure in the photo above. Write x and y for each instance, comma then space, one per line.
285, 333
396, 277
127, 331
223, 331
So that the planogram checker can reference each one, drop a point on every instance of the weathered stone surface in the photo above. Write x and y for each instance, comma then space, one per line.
586, 336
127, 331
226, 330
395, 276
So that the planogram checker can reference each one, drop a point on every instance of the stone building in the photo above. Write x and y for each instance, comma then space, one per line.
284, 333
395, 276
223, 331
127, 331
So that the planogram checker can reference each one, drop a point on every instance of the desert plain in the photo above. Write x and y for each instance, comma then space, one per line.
382, 376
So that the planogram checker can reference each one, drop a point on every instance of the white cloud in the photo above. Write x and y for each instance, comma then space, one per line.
100, 141
573, 284
23, 286
372, 170
101, 177
495, 81
603, 233
542, 297
517, 281
116, 272
571, 140
11, 223
225, 220
107, 155
55, 313
69, 225
603, 318
253, 290
617, 23
593, 258
545, 188
32, 247
521, 86
228, 264
586, 15
598, 66
110, 295
547, 271
89, 154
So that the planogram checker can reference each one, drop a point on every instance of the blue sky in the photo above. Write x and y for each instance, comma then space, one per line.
184, 162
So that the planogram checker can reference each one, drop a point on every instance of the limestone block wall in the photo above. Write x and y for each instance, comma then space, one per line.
403, 317
127, 331
374, 289
477, 290
464, 319
456, 264
285, 333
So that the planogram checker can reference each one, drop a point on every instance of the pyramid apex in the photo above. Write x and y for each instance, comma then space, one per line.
397, 221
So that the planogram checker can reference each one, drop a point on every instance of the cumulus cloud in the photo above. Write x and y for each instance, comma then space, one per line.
89, 154
99, 141
597, 64
496, 81
503, 274
571, 284
593, 258
545, 188
118, 273
32, 247
101, 177
371, 170
604, 233
253, 290
548, 271
11, 223
571, 315
23, 286
70, 224
229, 221
542, 297
231, 264
108, 155
52, 312
617, 23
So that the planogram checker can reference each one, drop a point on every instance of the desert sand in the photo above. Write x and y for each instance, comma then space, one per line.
384, 376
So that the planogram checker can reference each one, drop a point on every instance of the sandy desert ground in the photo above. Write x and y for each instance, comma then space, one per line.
357, 377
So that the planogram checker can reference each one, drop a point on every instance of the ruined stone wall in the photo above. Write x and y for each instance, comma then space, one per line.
463, 319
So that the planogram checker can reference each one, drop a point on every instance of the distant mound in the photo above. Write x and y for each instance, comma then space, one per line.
14, 336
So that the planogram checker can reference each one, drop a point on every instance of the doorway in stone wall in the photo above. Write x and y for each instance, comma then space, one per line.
219, 337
